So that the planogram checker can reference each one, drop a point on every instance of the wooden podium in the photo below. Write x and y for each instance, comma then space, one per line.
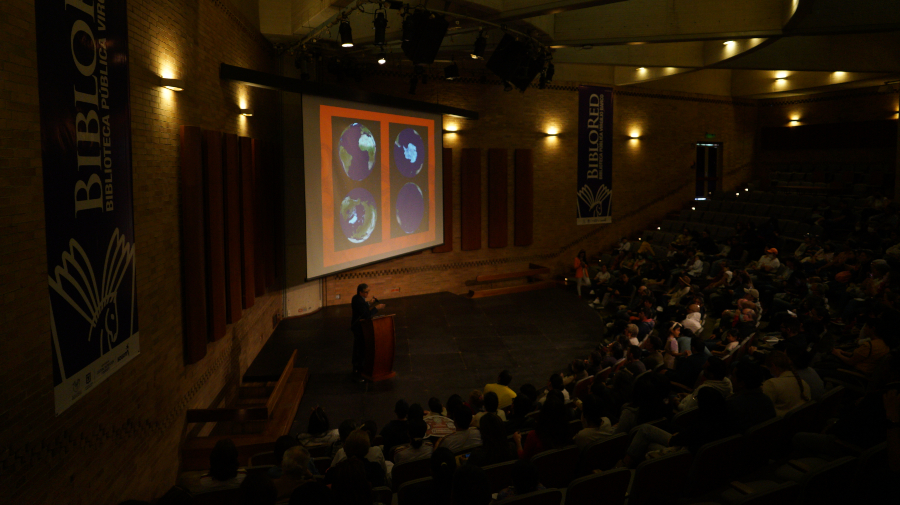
378, 363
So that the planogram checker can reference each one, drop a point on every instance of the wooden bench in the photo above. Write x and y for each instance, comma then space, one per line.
531, 276
263, 411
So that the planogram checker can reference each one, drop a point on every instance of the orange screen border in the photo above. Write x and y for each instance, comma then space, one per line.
330, 257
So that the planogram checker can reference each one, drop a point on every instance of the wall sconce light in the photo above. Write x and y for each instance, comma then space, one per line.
634, 136
795, 120
781, 74
642, 69
552, 131
173, 84
839, 74
247, 112
728, 43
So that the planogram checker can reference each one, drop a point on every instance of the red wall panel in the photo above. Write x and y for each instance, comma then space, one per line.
524, 204
215, 232
470, 199
193, 272
248, 249
232, 228
498, 199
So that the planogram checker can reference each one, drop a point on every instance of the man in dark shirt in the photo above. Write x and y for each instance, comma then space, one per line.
396, 432
362, 309
688, 369
748, 405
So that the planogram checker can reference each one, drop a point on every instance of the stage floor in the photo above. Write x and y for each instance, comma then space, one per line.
446, 344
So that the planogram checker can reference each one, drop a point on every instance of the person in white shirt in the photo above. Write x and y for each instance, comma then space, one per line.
768, 263
692, 321
696, 266
786, 389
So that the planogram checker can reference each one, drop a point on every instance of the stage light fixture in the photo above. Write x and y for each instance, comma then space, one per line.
516, 62
172, 84
382, 58
346, 34
451, 71
423, 34
380, 27
480, 46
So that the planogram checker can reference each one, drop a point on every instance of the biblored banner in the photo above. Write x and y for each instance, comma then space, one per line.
82, 48
595, 115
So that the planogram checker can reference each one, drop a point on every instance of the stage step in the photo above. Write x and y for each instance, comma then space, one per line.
521, 288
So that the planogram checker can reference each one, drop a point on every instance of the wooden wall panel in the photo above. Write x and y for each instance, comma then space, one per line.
215, 232
232, 228
470, 199
260, 215
498, 213
193, 267
248, 249
524, 204
447, 246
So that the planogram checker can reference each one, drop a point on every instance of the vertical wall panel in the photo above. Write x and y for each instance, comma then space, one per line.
215, 232
524, 204
193, 269
232, 228
447, 246
498, 213
470, 199
248, 266
273, 189
259, 218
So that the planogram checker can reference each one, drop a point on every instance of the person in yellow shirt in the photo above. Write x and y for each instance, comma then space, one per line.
865, 357
505, 395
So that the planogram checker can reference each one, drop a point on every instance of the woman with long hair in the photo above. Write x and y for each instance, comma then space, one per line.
582, 278
786, 389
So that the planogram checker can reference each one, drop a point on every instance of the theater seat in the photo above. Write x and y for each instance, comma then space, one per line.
545, 497
607, 488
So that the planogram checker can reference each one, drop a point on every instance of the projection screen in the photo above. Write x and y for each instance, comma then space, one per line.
373, 183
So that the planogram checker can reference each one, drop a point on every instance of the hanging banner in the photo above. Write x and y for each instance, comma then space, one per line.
595, 116
82, 50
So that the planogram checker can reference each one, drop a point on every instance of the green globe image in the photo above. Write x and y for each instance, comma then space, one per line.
358, 215
357, 151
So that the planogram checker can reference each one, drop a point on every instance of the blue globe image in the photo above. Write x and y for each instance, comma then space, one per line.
357, 151
358, 215
409, 152
410, 207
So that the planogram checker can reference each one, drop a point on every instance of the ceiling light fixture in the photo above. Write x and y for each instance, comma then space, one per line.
480, 46
380, 27
346, 34
173, 84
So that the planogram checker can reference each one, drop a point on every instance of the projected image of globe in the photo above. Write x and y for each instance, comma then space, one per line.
357, 151
410, 207
358, 215
409, 152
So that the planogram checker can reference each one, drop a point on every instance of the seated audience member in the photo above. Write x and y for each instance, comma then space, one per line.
224, 471
504, 394
712, 423
576, 373
396, 432
282, 444
767, 264
470, 486
466, 436
688, 369
670, 351
633, 362
453, 402
257, 489
519, 418
525, 479
648, 402
439, 425
730, 344
443, 466
417, 448
786, 389
555, 383
692, 320
349, 483
295, 472
374, 455
318, 431
490, 407
866, 356
654, 359
415, 412
475, 402
347, 427
749, 406
601, 279
631, 334
356, 448
800, 359
551, 430
715, 373
594, 362
494, 444
595, 424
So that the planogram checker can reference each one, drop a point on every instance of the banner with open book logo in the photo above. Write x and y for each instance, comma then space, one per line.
595, 115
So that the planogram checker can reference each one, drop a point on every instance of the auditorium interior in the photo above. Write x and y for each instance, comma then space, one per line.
755, 154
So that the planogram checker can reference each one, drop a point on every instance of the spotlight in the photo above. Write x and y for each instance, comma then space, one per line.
346, 34
380, 26
480, 45
516, 62
451, 71
382, 58
423, 33
172, 84
413, 83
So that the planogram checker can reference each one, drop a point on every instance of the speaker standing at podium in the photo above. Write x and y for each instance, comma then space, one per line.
362, 309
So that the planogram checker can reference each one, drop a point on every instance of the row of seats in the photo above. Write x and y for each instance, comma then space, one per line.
809, 201
831, 167
747, 208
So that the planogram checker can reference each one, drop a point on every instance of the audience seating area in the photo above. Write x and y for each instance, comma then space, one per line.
858, 179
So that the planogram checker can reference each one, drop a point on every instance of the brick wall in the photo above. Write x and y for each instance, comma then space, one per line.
651, 176
121, 440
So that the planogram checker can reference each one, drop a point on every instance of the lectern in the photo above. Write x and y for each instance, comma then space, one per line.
378, 333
